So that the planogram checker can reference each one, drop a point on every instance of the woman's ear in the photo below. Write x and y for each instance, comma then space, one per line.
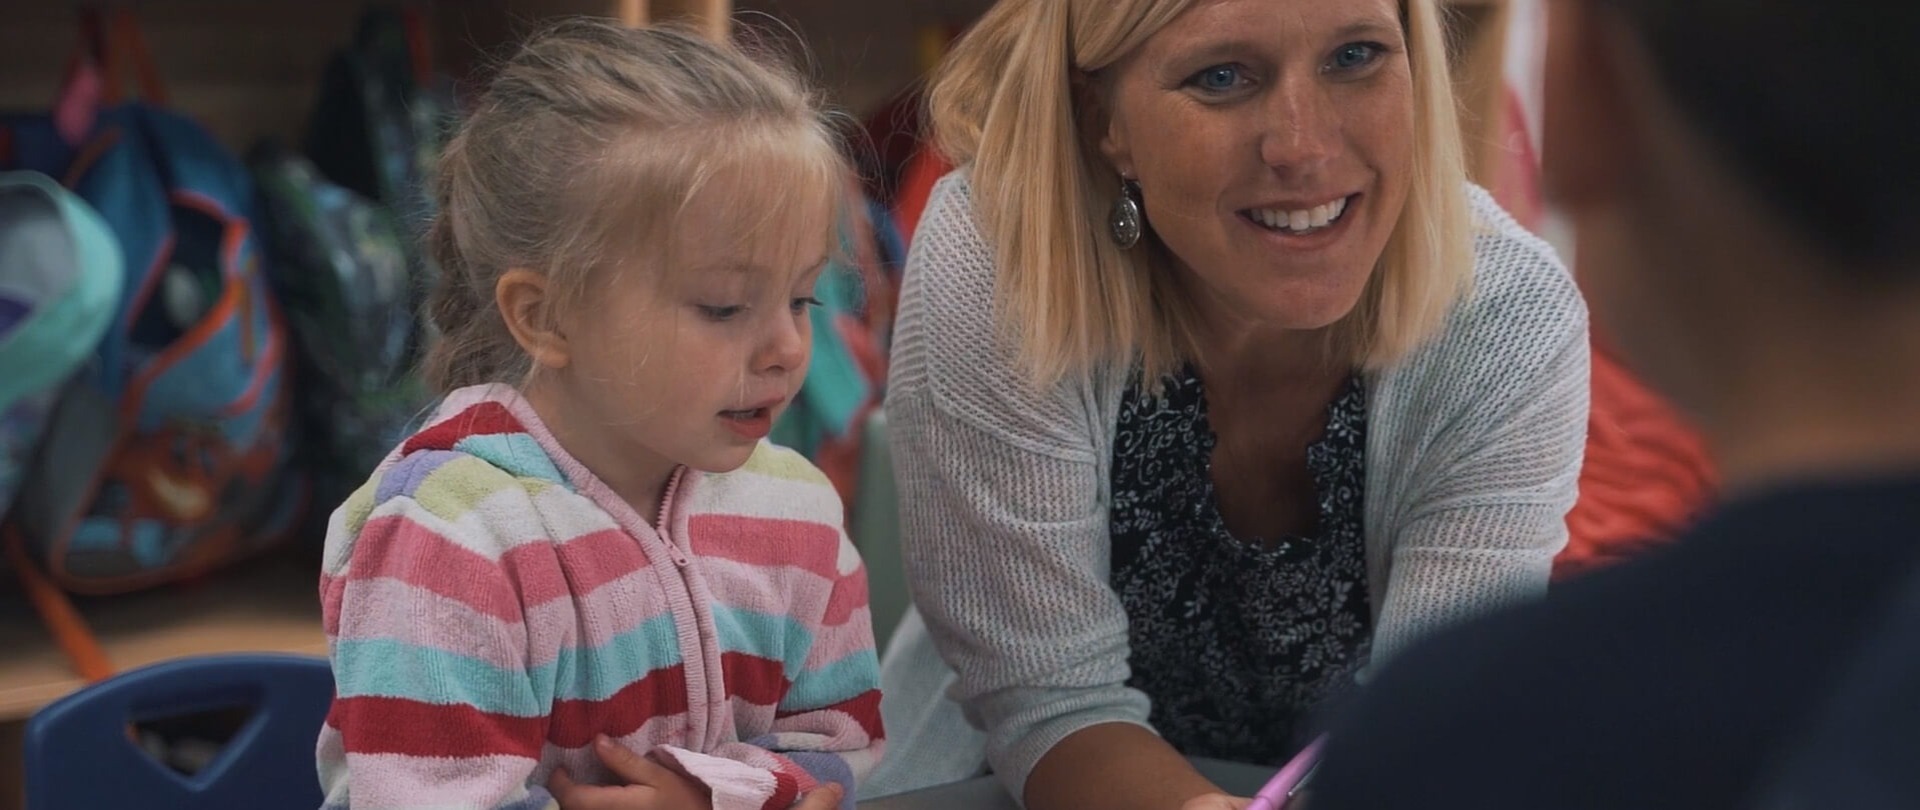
1093, 95
527, 306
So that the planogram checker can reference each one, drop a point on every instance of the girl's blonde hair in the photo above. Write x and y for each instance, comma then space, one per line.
583, 153
1005, 102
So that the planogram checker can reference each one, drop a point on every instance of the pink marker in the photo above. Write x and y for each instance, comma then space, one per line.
1280, 789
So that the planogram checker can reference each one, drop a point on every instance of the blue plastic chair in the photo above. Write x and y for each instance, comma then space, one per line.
79, 755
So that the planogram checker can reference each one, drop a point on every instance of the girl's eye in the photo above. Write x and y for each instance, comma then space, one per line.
800, 304
725, 313
1219, 78
1356, 55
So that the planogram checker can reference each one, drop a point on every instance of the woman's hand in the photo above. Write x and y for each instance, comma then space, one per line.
1216, 801
652, 786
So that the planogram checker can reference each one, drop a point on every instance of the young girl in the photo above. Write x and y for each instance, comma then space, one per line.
589, 568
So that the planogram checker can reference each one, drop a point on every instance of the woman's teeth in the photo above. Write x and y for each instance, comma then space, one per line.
1301, 221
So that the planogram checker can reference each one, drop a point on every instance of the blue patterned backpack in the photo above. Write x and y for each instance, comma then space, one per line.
168, 456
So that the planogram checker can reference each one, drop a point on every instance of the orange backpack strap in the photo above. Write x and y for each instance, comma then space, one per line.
128, 37
419, 46
63, 621
109, 38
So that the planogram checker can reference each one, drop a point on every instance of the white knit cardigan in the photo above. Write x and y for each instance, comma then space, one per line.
1474, 447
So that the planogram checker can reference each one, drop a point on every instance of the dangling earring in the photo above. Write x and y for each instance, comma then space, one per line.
1123, 222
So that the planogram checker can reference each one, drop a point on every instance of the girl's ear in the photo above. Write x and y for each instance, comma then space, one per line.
528, 310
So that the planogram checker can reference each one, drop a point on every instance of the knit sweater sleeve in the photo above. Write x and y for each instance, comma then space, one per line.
436, 702
1499, 404
1003, 527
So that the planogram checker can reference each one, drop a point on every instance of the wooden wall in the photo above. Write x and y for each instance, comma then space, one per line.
249, 68
244, 69
864, 50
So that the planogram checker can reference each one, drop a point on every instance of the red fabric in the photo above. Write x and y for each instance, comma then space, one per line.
437, 730
1646, 474
839, 460
484, 419
862, 343
916, 187
1516, 176
1646, 477
786, 791
756, 680
894, 131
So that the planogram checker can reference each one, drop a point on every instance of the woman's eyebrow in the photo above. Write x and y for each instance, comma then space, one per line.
1380, 29
1207, 51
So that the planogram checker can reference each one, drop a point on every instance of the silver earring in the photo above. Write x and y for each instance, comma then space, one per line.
1124, 220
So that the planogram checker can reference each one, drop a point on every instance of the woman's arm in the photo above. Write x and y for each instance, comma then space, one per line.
1004, 533
1118, 765
1022, 610
1501, 477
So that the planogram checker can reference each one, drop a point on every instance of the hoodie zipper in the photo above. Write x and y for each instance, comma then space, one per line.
692, 649
661, 525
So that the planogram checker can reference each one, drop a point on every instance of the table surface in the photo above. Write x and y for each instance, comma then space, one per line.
984, 793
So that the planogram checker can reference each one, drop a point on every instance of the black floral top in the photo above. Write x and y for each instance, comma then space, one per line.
1235, 642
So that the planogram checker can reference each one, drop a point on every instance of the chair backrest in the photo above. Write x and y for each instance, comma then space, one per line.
81, 755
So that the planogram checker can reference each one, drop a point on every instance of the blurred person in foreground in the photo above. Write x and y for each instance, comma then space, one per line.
1745, 183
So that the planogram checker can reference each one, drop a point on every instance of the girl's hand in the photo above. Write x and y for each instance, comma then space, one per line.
649, 785
825, 797
652, 786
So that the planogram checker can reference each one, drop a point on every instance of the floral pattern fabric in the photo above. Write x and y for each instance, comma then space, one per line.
1235, 640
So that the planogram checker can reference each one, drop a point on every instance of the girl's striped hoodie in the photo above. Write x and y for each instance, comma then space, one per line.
492, 606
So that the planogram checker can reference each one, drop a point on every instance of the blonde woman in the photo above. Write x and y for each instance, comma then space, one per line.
1215, 381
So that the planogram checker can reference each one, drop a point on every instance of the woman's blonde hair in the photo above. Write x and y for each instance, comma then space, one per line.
583, 153
1005, 102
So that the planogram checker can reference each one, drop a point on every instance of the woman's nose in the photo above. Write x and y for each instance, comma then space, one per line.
1303, 127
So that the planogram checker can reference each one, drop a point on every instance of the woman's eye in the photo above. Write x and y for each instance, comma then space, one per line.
725, 313
800, 304
1356, 55
1219, 78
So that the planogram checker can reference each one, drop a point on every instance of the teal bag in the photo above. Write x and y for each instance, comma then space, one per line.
60, 277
